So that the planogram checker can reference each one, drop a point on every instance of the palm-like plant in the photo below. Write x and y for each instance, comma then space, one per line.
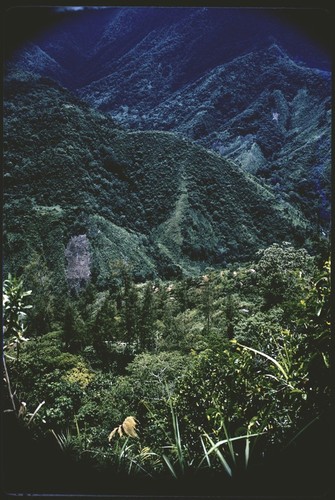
14, 321
14, 308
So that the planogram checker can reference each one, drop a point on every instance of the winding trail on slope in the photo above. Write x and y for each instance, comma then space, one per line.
170, 230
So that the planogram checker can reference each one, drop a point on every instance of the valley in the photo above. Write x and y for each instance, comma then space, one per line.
166, 253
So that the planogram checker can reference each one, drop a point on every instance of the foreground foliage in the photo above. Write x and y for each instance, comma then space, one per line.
215, 373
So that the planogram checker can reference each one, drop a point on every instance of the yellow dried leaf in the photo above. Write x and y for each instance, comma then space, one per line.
112, 434
126, 428
129, 425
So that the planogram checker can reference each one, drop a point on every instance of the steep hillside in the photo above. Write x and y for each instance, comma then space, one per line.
163, 204
214, 76
179, 44
166, 261
262, 110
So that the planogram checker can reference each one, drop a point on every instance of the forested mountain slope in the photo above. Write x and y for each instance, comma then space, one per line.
239, 85
161, 202
166, 292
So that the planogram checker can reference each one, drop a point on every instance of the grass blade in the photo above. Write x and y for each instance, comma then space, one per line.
215, 446
206, 456
35, 412
301, 431
219, 454
177, 437
170, 466
247, 451
270, 358
230, 446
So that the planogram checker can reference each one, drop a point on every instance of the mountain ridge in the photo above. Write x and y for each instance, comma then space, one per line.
186, 70
195, 148
176, 206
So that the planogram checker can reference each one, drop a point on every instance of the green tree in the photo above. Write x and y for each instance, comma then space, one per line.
104, 329
230, 309
277, 271
207, 295
38, 276
313, 320
130, 310
73, 329
127, 301
146, 319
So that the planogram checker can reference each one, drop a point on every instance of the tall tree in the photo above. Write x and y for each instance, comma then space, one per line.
72, 329
130, 310
230, 312
39, 278
104, 329
146, 320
